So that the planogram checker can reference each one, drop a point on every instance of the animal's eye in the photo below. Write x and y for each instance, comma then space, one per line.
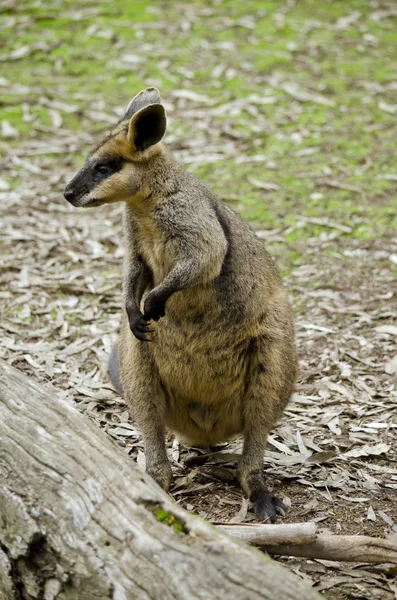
103, 169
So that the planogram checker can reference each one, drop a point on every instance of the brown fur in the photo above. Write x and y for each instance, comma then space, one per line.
221, 361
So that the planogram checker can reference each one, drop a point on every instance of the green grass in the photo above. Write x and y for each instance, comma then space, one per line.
77, 55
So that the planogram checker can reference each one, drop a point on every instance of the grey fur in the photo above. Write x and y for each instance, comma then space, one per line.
114, 371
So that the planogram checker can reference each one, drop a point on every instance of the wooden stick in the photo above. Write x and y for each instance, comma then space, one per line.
302, 539
349, 548
272, 535
341, 186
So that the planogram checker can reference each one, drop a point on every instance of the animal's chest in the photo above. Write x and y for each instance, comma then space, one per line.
156, 250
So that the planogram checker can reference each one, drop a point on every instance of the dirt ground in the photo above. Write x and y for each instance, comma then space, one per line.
325, 209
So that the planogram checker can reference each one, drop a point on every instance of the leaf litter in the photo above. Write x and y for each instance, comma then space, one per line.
333, 455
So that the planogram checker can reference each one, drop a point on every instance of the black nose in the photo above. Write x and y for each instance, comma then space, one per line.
69, 194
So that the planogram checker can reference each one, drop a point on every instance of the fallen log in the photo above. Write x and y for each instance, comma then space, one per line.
80, 521
303, 539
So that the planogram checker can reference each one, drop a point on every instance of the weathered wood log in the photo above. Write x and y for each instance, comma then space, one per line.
79, 521
303, 539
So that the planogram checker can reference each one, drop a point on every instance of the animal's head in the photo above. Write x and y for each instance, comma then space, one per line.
113, 170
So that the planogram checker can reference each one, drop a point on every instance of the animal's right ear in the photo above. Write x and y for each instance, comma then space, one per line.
147, 127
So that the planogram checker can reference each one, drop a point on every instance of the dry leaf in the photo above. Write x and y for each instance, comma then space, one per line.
319, 458
242, 513
264, 185
386, 518
8, 130
391, 366
390, 108
391, 329
304, 96
375, 450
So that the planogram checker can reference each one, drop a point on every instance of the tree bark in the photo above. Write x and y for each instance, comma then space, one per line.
79, 521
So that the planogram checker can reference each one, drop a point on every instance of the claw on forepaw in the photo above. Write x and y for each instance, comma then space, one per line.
139, 327
154, 315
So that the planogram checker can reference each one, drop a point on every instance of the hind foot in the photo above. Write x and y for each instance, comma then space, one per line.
161, 473
266, 505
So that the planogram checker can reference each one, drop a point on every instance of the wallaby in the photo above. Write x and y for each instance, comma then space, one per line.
200, 287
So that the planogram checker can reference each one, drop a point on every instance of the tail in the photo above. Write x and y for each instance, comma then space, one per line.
114, 370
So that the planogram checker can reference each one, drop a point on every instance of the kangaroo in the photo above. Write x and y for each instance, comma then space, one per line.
206, 347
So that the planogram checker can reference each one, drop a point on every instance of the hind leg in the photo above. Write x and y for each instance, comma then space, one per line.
271, 381
252, 478
144, 393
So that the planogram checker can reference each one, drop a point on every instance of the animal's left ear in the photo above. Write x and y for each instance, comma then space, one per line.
144, 98
147, 127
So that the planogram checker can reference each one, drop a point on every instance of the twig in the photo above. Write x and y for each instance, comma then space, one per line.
271, 535
349, 548
326, 223
340, 186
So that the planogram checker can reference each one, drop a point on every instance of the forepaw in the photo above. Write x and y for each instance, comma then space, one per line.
267, 506
139, 326
154, 307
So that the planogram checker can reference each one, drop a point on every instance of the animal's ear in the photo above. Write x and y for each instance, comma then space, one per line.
147, 127
144, 98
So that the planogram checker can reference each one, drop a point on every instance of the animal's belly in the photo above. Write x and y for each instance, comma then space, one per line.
203, 424
200, 377
204, 374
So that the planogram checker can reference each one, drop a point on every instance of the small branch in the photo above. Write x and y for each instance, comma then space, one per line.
272, 535
340, 186
302, 539
350, 548
326, 223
